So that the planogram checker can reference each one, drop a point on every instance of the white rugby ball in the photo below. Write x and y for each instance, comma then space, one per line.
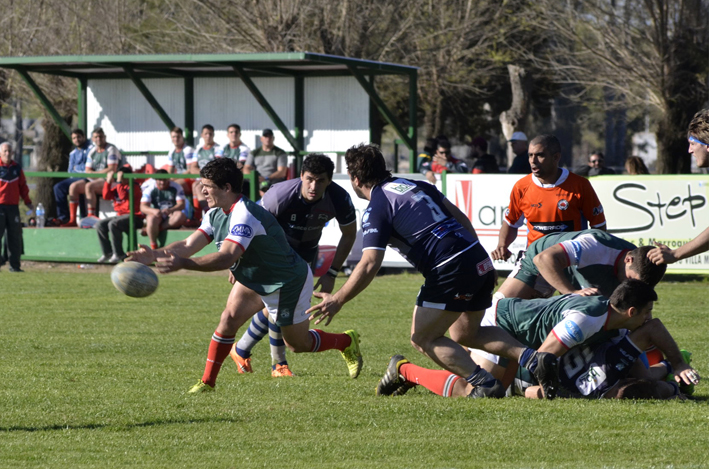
134, 279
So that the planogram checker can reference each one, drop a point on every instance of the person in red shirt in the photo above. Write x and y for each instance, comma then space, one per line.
13, 185
118, 191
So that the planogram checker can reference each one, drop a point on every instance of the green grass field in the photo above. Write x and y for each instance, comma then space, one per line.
91, 378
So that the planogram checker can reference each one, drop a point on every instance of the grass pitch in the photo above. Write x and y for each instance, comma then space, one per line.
92, 378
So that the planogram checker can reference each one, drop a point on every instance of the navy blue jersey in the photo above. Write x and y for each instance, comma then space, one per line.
410, 217
302, 221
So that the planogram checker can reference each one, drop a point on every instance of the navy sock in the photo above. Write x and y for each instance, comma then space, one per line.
481, 377
528, 359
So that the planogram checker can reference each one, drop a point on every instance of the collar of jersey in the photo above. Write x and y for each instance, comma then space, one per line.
232, 205
564, 176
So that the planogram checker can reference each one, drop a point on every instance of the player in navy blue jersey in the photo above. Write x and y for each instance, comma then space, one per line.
302, 207
416, 220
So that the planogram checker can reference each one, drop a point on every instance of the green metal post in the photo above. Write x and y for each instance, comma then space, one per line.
189, 111
372, 110
81, 104
149, 97
413, 119
299, 120
131, 220
45, 102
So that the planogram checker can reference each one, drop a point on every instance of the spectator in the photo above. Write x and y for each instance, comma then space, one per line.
179, 157
13, 185
205, 153
636, 165
520, 163
595, 167
102, 158
269, 161
236, 150
77, 164
162, 204
443, 160
484, 163
429, 148
112, 246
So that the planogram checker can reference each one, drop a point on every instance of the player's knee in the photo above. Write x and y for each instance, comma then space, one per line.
418, 342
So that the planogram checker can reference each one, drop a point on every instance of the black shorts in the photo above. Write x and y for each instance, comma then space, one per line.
465, 283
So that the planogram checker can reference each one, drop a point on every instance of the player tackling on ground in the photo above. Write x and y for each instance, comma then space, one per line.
266, 271
414, 218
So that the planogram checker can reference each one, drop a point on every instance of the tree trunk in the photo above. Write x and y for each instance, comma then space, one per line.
513, 118
53, 156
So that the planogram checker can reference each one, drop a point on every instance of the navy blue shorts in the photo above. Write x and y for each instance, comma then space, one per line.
465, 283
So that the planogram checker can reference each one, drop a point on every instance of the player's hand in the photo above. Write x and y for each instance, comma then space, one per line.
326, 284
169, 263
590, 291
500, 253
232, 279
326, 310
144, 255
685, 374
661, 255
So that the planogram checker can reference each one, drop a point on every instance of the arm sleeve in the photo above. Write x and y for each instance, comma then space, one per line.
585, 250
109, 193
114, 156
513, 214
592, 208
344, 209
376, 225
282, 159
24, 189
577, 327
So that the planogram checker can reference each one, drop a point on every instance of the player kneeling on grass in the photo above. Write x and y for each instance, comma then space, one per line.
264, 271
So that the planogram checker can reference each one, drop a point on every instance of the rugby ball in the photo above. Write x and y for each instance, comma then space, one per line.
134, 279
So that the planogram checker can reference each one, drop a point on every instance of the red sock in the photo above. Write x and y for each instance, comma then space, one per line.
219, 349
153, 245
92, 211
327, 341
437, 381
73, 206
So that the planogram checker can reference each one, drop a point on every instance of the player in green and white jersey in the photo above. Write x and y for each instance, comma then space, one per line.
236, 149
102, 158
264, 270
162, 203
203, 154
179, 157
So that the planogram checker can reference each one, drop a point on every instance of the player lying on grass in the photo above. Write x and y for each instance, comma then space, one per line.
604, 370
414, 218
557, 324
589, 262
265, 269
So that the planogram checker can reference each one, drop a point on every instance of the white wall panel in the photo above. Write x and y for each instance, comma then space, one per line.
129, 121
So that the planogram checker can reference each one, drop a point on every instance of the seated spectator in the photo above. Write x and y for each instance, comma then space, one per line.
110, 230
484, 163
443, 160
162, 204
178, 158
269, 161
202, 155
236, 150
429, 148
636, 165
77, 164
596, 166
102, 158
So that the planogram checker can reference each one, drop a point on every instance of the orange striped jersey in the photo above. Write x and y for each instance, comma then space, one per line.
570, 204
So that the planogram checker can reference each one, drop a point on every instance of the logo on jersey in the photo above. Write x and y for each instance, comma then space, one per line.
597, 210
365, 217
398, 187
539, 205
573, 330
484, 266
552, 227
563, 204
370, 231
577, 249
243, 231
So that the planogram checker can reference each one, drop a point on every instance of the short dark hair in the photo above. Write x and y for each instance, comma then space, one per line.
597, 153
98, 130
223, 171
78, 132
430, 145
699, 127
208, 127
236, 126
317, 163
632, 293
176, 130
161, 171
548, 141
648, 271
444, 144
633, 388
366, 163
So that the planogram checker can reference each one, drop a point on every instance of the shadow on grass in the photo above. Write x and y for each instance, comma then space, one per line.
98, 426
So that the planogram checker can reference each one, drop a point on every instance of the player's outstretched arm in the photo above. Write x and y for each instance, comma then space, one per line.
228, 255
326, 283
664, 255
507, 235
362, 276
183, 248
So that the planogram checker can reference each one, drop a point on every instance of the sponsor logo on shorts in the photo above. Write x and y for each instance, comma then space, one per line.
243, 231
285, 313
484, 266
573, 330
563, 204
463, 297
598, 210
